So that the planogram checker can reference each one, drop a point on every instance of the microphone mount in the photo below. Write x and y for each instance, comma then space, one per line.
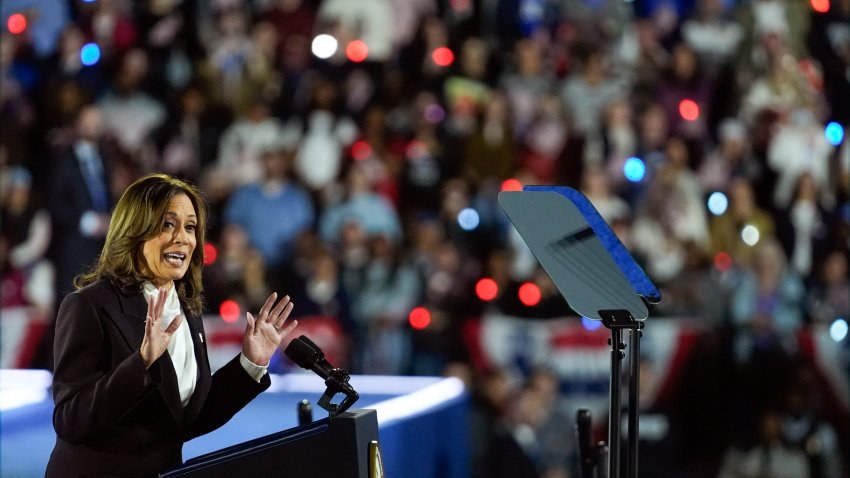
308, 355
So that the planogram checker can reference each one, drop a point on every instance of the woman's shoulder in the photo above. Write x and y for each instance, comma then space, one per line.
99, 290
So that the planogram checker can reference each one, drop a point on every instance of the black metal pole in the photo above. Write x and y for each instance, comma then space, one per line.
615, 411
634, 376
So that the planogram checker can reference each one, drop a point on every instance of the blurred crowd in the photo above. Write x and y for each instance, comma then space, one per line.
358, 172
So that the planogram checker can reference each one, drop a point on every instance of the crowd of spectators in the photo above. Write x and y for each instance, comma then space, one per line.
364, 183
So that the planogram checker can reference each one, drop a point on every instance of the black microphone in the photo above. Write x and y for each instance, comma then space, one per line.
308, 355
587, 461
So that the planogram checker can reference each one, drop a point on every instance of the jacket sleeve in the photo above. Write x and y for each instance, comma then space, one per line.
231, 389
91, 394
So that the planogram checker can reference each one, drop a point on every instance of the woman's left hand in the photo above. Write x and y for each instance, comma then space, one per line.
264, 334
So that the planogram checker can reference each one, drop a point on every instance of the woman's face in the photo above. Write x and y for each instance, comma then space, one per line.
167, 255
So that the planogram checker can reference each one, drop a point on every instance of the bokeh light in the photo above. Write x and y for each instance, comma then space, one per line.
511, 185
634, 169
229, 311
486, 289
434, 113
468, 219
834, 133
838, 329
689, 109
529, 294
361, 150
717, 203
590, 324
357, 51
750, 235
16, 23
722, 261
820, 6
443, 56
324, 46
210, 254
90, 54
419, 318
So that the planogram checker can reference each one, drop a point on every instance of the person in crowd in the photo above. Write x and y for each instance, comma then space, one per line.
768, 456
802, 227
273, 210
805, 427
829, 295
132, 380
79, 200
732, 157
742, 211
384, 290
239, 150
799, 146
129, 114
767, 304
586, 94
238, 272
322, 133
26, 238
373, 212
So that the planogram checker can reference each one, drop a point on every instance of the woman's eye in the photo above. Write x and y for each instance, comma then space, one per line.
191, 227
167, 225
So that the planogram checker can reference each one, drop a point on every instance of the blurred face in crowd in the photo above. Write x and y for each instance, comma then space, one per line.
275, 164
89, 124
167, 255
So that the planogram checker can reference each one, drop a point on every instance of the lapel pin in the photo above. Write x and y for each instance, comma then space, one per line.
201, 336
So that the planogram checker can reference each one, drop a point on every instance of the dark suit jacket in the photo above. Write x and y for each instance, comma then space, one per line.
112, 416
69, 198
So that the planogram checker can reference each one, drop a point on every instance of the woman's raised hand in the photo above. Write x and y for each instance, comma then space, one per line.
156, 338
264, 334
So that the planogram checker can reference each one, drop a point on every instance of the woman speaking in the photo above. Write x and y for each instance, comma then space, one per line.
132, 380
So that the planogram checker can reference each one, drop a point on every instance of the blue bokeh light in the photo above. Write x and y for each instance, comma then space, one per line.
834, 133
90, 54
634, 169
468, 219
717, 203
590, 324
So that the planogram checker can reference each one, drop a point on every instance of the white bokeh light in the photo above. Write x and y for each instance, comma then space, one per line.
838, 330
717, 203
750, 235
324, 46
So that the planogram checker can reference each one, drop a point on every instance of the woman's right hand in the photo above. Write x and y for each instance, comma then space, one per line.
156, 339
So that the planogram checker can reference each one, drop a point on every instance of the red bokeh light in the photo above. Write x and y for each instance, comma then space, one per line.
443, 56
529, 294
689, 109
357, 51
420, 318
16, 23
722, 261
361, 150
229, 311
820, 6
486, 289
511, 185
210, 254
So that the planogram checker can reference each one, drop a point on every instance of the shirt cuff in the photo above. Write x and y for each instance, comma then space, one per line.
255, 371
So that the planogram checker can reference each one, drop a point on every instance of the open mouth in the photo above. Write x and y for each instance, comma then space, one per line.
175, 258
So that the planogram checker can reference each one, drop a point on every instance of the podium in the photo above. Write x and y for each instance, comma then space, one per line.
332, 447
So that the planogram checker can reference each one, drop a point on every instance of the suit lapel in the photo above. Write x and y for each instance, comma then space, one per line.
130, 320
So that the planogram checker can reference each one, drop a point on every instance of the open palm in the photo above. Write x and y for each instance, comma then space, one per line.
264, 333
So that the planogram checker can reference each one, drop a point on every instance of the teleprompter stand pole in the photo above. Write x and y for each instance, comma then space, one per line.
616, 321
